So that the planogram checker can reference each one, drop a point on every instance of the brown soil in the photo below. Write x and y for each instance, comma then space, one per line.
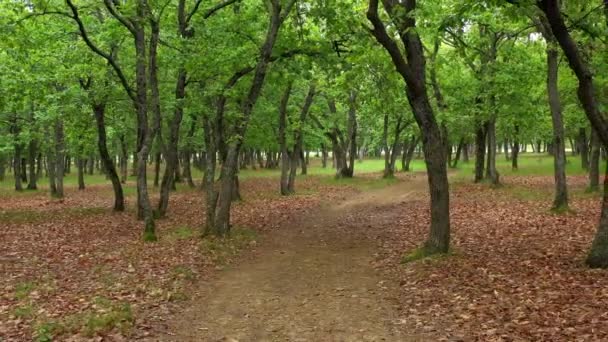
311, 280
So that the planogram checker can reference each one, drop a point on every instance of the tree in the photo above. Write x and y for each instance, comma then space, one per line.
598, 255
412, 68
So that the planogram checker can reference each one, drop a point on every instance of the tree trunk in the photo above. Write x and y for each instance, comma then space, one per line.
324, 154
102, 146
387, 153
594, 163
491, 172
410, 153
285, 156
23, 170
560, 201
33, 151
480, 152
39, 165
59, 158
221, 225
446, 143
124, 157
211, 194
17, 167
349, 169
80, 165
411, 67
2, 167
583, 149
598, 254
514, 155
461, 144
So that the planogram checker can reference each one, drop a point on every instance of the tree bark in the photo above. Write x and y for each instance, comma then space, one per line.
491, 171
560, 201
59, 158
80, 166
324, 155
480, 152
221, 226
2, 167
598, 254
17, 167
411, 67
461, 145
410, 153
285, 156
124, 157
583, 148
102, 146
594, 163
33, 151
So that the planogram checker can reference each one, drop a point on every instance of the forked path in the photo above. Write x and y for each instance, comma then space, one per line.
312, 280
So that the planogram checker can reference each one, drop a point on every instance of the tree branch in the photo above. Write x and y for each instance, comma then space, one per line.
379, 32
211, 11
124, 21
85, 36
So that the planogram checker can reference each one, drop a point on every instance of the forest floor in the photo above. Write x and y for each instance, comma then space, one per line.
313, 280
324, 265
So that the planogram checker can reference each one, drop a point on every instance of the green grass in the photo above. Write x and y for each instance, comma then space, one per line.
529, 164
181, 233
23, 290
361, 183
106, 315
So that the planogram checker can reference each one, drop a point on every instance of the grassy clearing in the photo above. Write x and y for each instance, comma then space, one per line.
361, 183
529, 164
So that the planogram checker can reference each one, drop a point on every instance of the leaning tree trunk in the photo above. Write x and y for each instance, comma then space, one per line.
102, 146
411, 67
221, 225
297, 153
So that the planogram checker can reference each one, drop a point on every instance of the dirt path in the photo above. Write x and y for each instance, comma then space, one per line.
311, 281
